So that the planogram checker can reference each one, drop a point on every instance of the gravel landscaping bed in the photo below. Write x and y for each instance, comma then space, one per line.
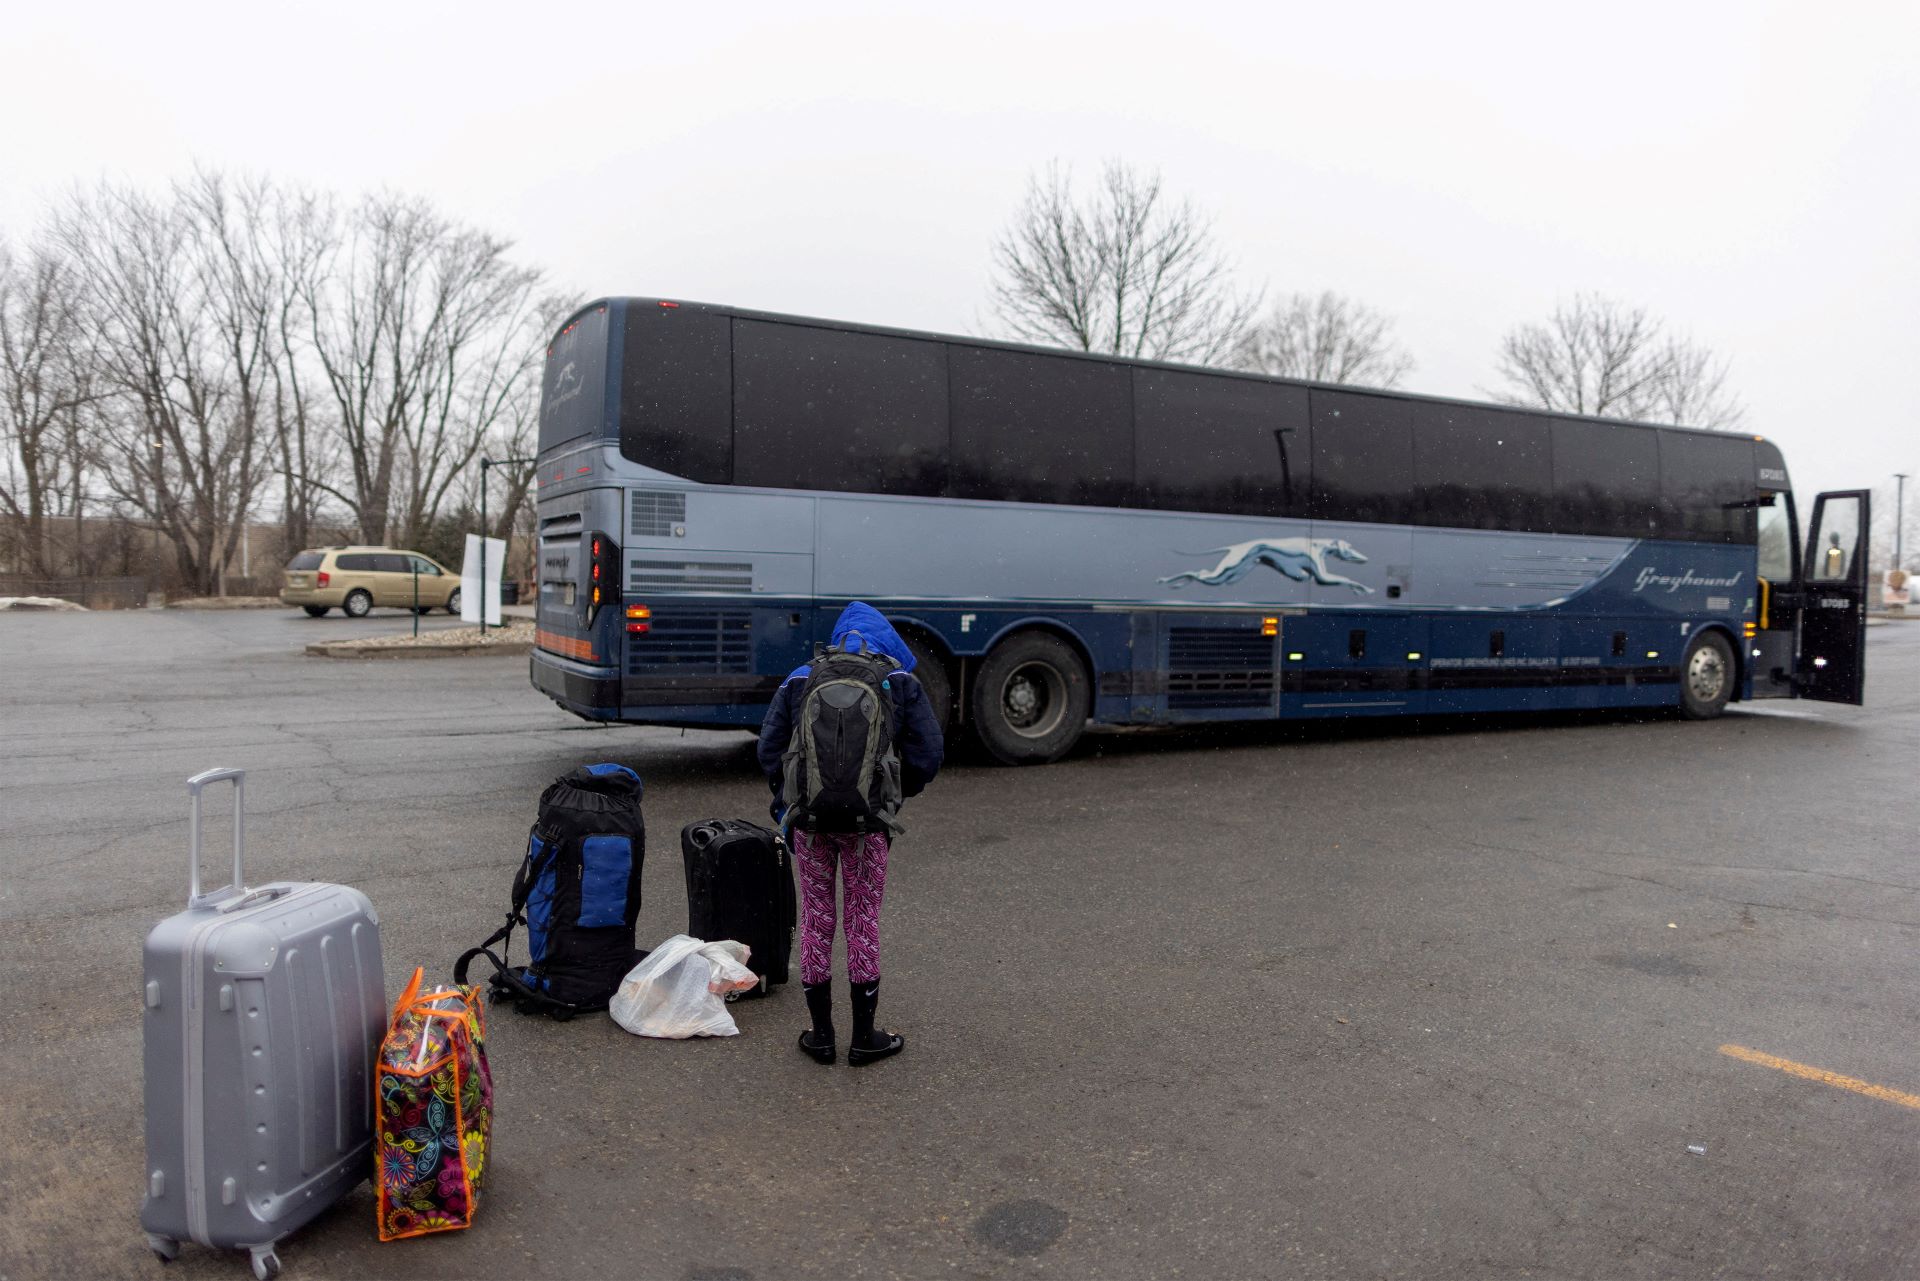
228, 602
515, 637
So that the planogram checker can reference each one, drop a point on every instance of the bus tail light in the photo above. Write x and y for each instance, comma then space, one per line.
637, 616
603, 573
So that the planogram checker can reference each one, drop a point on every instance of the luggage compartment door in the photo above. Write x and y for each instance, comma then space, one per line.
1832, 667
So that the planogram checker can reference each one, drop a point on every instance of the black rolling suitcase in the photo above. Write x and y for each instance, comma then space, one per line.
740, 886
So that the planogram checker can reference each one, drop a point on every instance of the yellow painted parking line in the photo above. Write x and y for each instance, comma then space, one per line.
1823, 1076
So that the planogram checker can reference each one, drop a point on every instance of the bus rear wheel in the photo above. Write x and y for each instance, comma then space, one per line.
1706, 677
930, 669
1030, 699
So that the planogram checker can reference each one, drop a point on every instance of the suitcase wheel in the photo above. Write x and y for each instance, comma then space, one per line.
165, 1249
266, 1264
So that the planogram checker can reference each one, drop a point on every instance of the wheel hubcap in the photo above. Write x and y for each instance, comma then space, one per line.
1033, 700
1706, 674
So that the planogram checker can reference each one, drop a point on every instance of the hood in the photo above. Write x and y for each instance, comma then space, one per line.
875, 630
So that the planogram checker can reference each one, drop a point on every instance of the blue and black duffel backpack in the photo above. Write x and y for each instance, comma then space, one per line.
578, 895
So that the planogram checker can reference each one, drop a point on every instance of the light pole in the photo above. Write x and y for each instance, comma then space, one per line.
157, 473
1899, 514
485, 463
1899, 526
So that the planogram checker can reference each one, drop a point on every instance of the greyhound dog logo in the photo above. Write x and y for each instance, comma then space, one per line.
566, 385
1300, 559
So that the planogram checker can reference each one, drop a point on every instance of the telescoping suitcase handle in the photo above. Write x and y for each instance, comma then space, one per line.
197, 784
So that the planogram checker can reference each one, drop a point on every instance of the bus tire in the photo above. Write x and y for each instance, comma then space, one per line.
1030, 700
1706, 677
358, 604
930, 669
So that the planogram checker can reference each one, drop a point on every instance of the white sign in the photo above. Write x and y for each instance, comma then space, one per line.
470, 593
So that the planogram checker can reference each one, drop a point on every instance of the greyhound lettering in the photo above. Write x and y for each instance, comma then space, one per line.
1300, 559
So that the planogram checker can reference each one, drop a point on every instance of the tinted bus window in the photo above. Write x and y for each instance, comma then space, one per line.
1606, 480
1211, 444
827, 409
356, 562
573, 389
676, 392
305, 560
1045, 429
1706, 487
1775, 536
1362, 449
1482, 468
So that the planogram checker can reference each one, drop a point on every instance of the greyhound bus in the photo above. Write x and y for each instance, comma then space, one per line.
1067, 538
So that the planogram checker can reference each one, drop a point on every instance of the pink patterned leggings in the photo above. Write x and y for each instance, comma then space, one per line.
862, 861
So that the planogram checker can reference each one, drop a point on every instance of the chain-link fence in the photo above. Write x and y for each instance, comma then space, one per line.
94, 593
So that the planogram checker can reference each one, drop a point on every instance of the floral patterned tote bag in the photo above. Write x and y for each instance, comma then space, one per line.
432, 1112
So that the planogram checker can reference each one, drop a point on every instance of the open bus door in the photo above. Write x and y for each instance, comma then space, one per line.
1831, 665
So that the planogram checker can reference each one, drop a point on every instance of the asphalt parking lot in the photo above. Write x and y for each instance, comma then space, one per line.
1420, 999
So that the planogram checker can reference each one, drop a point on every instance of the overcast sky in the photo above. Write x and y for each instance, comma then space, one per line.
1749, 172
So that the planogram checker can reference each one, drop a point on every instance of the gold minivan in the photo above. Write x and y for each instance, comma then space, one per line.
355, 579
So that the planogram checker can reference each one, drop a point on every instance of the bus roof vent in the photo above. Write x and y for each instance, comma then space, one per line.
654, 512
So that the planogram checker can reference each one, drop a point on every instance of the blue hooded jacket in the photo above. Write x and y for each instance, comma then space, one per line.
916, 727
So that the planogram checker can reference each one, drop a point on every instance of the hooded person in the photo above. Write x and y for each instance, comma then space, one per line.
857, 857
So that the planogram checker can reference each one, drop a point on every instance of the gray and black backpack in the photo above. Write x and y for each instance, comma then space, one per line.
841, 771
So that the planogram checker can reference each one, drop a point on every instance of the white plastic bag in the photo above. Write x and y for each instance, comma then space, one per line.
680, 990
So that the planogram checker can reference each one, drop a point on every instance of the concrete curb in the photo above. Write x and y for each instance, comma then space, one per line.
347, 649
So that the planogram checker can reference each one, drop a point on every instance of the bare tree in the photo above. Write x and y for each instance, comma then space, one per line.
1884, 537
515, 428
290, 232
1119, 269
1597, 356
1693, 389
420, 334
44, 386
1325, 337
180, 354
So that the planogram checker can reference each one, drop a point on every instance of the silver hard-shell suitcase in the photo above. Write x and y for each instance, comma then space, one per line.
264, 1013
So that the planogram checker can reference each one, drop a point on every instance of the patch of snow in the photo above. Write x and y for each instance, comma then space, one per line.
40, 602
